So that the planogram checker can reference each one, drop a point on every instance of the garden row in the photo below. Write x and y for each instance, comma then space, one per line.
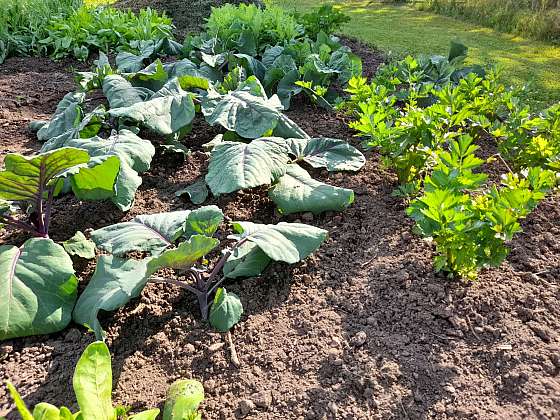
240, 75
430, 117
424, 114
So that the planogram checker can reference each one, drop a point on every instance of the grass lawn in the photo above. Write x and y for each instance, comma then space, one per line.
401, 30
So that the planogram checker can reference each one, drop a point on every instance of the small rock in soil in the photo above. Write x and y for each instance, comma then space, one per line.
215, 347
359, 339
246, 406
262, 399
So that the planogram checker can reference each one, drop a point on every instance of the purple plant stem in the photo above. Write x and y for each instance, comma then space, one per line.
48, 210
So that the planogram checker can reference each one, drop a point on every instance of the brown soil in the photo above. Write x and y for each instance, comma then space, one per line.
364, 329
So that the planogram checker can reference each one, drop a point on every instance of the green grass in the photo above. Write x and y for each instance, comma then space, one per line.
401, 30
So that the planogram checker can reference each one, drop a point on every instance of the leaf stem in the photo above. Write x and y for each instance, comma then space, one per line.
47, 221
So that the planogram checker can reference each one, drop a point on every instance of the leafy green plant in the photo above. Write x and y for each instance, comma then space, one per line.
92, 383
408, 129
178, 241
528, 140
22, 24
273, 160
248, 29
468, 222
106, 29
30, 184
279, 63
37, 284
325, 19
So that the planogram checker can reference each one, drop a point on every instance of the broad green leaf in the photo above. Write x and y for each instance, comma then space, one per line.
197, 192
194, 82
167, 111
97, 181
288, 242
114, 283
286, 128
186, 254
152, 77
152, 233
204, 221
93, 381
23, 176
66, 414
241, 111
296, 191
145, 415
333, 154
346, 64
226, 310
20, 405
271, 54
247, 260
128, 62
250, 64
79, 245
287, 87
121, 93
46, 411
234, 166
37, 288
135, 155
66, 116
183, 399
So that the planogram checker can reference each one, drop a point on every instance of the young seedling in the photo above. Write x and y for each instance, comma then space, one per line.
92, 383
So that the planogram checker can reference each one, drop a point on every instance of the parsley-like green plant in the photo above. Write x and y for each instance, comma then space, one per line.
470, 222
527, 140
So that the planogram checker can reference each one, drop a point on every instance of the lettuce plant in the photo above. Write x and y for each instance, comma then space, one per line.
92, 383
247, 28
178, 241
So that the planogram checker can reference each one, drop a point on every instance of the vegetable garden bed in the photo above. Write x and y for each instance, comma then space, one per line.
362, 329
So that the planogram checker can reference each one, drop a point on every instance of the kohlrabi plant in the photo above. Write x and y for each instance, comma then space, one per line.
236, 165
30, 185
37, 283
92, 385
180, 241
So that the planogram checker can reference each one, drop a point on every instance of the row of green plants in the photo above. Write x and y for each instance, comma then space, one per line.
92, 383
60, 29
22, 24
101, 154
428, 117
